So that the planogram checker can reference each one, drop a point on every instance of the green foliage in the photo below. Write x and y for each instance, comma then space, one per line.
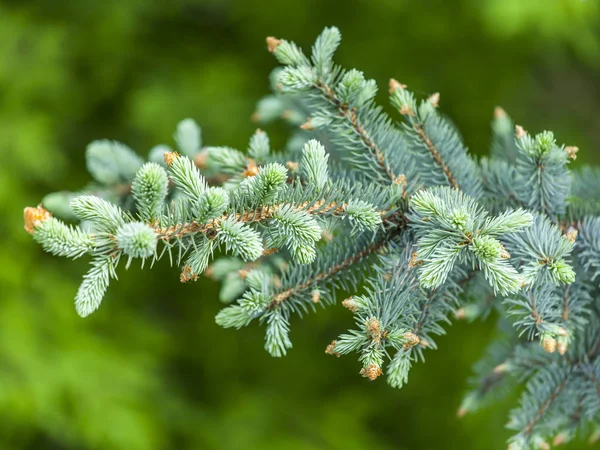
433, 222
124, 380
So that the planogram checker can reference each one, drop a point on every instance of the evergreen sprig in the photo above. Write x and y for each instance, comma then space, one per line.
398, 215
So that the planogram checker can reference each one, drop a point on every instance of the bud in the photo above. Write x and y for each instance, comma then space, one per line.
372, 372
560, 439
330, 350
35, 216
561, 345
350, 304
307, 125
434, 99
251, 169
549, 344
315, 296
394, 86
406, 111
170, 158
499, 113
272, 44
374, 329
187, 275
201, 159
411, 339
520, 131
292, 166
572, 151
571, 235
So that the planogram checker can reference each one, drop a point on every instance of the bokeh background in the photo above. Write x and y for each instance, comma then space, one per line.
151, 370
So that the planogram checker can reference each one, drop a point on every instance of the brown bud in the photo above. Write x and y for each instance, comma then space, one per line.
560, 439
330, 350
499, 113
520, 131
561, 346
371, 372
434, 99
501, 368
374, 329
401, 180
187, 275
201, 159
251, 169
394, 86
460, 314
571, 235
549, 344
307, 126
406, 111
272, 44
350, 304
414, 260
504, 253
462, 412
35, 216
269, 251
170, 157
315, 296
292, 166
572, 151
243, 273
411, 340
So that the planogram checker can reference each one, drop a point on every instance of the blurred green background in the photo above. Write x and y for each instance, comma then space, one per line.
151, 370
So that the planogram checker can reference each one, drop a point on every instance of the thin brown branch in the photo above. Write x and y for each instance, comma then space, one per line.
257, 215
351, 115
437, 157
542, 409
328, 273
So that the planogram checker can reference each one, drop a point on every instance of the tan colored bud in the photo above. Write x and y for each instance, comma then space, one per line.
462, 412
543, 445
374, 329
560, 439
401, 180
414, 260
170, 158
520, 131
549, 344
571, 235
315, 296
307, 126
406, 111
251, 169
411, 339
501, 368
372, 372
460, 314
572, 151
394, 86
243, 273
269, 251
350, 304
561, 346
499, 113
292, 166
187, 275
330, 350
201, 159
35, 216
434, 99
504, 253
272, 43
